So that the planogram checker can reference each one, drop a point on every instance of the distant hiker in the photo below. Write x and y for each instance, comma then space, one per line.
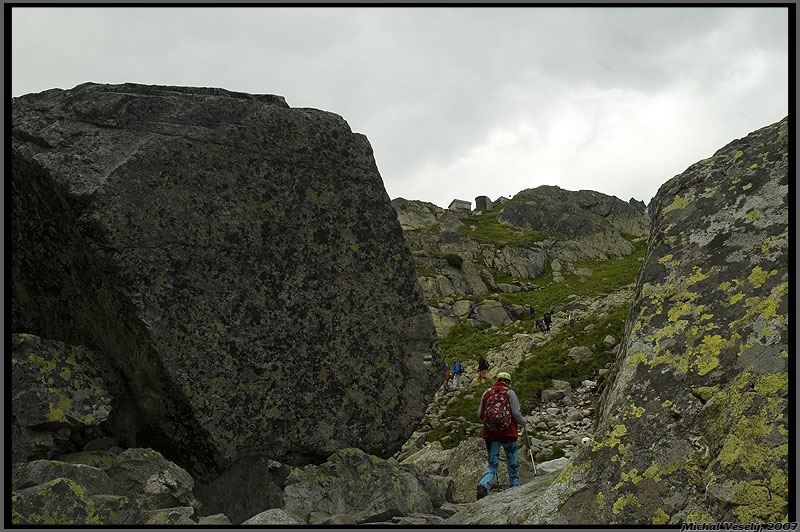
447, 374
457, 371
548, 317
501, 415
540, 324
482, 367
572, 320
533, 314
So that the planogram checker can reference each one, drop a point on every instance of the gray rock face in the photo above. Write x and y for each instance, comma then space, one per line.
580, 353
694, 426
237, 260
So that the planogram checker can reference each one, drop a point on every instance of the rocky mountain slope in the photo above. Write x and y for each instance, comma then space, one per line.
505, 248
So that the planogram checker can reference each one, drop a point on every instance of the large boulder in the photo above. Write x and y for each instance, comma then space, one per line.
694, 426
354, 483
492, 312
237, 260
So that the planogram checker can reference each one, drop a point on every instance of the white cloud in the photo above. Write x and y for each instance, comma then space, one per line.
457, 102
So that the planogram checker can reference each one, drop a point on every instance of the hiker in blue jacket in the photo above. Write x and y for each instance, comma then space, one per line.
457, 371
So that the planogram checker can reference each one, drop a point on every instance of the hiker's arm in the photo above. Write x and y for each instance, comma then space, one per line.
480, 406
515, 409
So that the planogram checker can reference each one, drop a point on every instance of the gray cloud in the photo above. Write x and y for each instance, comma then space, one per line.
456, 101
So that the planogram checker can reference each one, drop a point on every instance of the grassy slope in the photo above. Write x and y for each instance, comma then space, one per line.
485, 228
550, 361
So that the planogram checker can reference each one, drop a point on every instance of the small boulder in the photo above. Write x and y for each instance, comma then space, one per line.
275, 516
580, 353
609, 342
145, 475
551, 466
491, 312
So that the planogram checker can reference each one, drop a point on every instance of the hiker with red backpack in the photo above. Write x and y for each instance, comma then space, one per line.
501, 415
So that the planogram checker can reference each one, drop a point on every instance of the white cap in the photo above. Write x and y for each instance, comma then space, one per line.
585, 440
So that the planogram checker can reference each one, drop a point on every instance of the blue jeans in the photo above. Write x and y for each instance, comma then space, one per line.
512, 461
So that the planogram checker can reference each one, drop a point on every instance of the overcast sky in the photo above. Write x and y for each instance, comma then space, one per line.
457, 102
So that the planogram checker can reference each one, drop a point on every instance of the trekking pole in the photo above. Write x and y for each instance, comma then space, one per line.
528, 439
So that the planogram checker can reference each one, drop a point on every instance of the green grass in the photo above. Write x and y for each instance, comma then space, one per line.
468, 343
551, 361
486, 229
609, 275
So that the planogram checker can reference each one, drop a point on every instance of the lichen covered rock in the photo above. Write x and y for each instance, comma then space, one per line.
238, 260
93, 480
694, 427
146, 476
64, 502
55, 388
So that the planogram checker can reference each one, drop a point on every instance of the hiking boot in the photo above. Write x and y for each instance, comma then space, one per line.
481, 491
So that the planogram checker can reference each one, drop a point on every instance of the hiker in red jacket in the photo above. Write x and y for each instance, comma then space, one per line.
501, 415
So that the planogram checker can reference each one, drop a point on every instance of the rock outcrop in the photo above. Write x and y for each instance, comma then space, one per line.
235, 261
454, 257
585, 224
694, 424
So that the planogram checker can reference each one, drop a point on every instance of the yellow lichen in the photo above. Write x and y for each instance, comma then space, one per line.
677, 203
612, 438
771, 383
660, 517
624, 501
758, 277
699, 516
601, 500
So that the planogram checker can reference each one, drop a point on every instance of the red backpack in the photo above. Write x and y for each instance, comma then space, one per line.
497, 410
